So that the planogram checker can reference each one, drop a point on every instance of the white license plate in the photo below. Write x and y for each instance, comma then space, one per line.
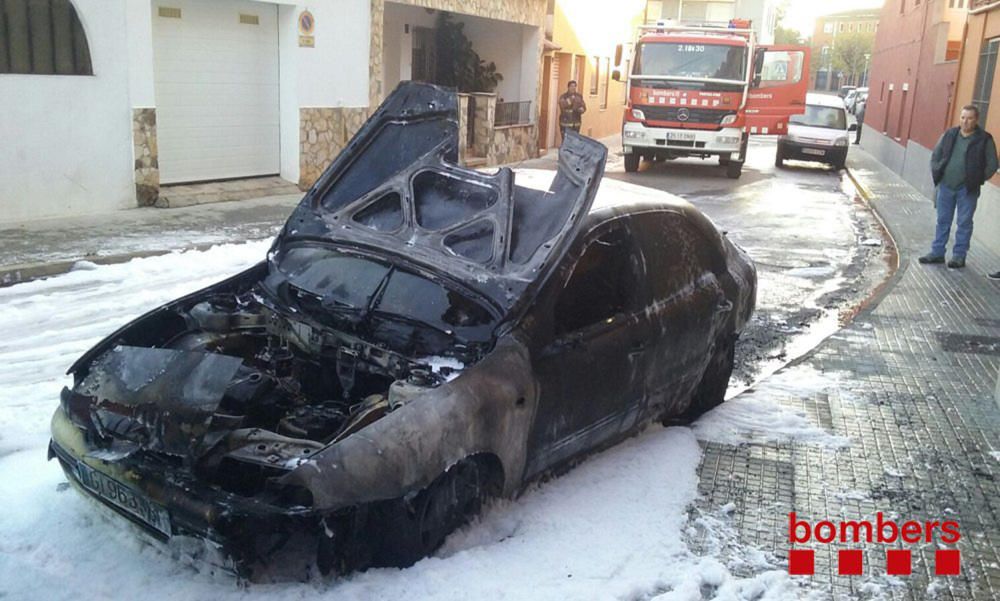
682, 136
814, 151
124, 497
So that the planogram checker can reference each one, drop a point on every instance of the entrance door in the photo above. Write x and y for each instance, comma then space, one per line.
215, 72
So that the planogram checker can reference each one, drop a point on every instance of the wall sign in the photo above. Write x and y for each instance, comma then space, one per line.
307, 25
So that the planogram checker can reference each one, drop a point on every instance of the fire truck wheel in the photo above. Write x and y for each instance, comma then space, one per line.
734, 169
632, 162
724, 159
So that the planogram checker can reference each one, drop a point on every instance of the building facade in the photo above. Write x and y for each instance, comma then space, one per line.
580, 41
861, 24
105, 102
977, 84
912, 86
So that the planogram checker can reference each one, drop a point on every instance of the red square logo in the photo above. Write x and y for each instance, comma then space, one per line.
898, 562
849, 562
801, 562
947, 562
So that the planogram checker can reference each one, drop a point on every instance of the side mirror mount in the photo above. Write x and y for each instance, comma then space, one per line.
616, 75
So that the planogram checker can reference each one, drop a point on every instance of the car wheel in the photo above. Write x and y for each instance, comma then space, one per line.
631, 162
711, 391
734, 169
779, 159
724, 159
411, 529
839, 165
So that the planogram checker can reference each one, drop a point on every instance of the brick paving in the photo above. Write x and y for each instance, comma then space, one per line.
918, 369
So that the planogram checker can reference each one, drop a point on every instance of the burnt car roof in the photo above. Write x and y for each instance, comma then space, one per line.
396, 189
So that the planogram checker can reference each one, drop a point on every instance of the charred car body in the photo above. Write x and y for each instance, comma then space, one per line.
420, 338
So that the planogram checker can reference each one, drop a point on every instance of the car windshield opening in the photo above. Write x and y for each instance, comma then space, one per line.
821, 116
343, 282
691, 60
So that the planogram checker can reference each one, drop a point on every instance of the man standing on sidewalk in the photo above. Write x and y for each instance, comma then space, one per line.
571, 110
860, 113
964, 158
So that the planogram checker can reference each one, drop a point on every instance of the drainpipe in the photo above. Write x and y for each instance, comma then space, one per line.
916, 78
961, 59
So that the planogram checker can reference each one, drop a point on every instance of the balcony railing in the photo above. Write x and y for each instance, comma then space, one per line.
512, 113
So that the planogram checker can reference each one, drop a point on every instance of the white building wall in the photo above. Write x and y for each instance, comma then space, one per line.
67, 140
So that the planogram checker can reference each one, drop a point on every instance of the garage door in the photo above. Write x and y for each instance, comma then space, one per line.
215, 70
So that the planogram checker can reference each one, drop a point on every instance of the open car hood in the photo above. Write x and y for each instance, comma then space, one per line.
396, 189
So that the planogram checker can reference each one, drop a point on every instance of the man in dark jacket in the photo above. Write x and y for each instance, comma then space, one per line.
571, 110
964, 158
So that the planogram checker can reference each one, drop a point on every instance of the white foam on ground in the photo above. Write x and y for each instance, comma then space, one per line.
613, 528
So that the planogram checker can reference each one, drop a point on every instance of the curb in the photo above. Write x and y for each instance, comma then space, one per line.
865, 193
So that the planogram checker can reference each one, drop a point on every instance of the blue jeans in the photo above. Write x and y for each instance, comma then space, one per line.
948, 203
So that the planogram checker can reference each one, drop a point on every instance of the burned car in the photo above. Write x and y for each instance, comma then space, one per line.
420, 338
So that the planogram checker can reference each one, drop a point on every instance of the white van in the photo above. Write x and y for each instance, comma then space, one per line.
821, 134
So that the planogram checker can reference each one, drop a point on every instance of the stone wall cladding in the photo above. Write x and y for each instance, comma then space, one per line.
144, 149
486, 107
513, 144
463, 126
323, 133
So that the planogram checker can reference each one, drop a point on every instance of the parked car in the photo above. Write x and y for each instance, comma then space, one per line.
857, 96
420, 338
820, 134
845, 90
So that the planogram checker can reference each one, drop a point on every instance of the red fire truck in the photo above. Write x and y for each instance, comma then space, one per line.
702, 90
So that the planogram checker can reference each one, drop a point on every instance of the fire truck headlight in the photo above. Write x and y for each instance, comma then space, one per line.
637, 114
728, 119
727, 139
633, 134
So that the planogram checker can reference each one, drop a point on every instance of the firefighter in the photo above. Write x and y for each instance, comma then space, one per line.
571, 109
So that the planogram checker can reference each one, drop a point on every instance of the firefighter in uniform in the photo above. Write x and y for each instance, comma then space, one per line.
571, 109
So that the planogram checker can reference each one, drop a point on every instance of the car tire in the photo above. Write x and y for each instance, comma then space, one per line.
711, 391
734, 169
838, 165
631, 162
724, 159
779, 159
411, 529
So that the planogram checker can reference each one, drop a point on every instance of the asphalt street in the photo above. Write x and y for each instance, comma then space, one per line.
818, 248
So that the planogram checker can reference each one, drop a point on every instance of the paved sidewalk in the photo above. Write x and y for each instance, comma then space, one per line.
914, 378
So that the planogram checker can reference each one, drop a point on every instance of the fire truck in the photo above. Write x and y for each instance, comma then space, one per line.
702, 90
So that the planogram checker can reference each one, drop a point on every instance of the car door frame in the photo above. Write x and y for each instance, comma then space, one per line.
547, 346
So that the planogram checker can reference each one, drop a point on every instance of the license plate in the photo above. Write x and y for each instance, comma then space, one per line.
679, 135
814, 151
125, 498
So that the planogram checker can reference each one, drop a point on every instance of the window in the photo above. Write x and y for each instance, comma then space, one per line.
604, 283
984, 77
888, 109
850, 27
42, 37
595, 75
781, 67
827, 27
604, 83
840, 27
902, 111
579, 64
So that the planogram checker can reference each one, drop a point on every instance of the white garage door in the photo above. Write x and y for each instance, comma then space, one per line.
216, 79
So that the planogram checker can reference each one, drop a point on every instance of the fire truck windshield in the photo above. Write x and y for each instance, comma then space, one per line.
700, 61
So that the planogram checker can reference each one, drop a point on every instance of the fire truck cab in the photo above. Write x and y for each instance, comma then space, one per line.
702, 90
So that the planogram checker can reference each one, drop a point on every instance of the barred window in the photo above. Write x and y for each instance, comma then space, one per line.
42, 37
984, 77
